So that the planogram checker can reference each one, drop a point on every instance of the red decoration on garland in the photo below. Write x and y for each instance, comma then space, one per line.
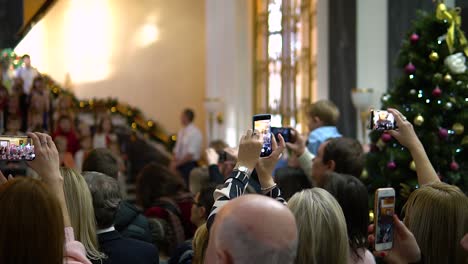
437, 92
386, 137
454, 166
414, 38
443, 133
391, 165
410, 68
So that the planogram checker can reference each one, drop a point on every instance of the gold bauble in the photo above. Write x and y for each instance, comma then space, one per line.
465, 140
458, 128
364, 174
412, 166
418, 120
434, 56
448, 77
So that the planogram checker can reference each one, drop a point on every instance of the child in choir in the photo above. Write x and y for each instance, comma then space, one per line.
65, 157
104, 135
86, 145
39, 104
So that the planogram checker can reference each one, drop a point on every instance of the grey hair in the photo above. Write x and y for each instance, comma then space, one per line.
243, 247
106, 197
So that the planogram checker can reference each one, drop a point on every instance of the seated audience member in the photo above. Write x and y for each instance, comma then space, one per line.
65, 157
129, 220
65, 129
220, 164
86, 145
198, 178
319, 218
341, 155
352, 196
106, 198
81, 211
38, 232
104, 135
236, 234
433, 207
201, 207
163, 196
291, 181
322, 119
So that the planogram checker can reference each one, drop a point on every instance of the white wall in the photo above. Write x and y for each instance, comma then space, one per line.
149, 53
372, 39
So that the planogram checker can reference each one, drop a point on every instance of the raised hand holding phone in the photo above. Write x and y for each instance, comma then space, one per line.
249, 149
266, 165
262, 124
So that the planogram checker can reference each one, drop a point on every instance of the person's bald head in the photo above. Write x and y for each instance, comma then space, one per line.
253, 227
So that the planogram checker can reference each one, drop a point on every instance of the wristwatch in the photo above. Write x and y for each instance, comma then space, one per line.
244, 170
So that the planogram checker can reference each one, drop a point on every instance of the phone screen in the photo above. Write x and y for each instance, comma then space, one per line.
384, 226
16, 148
263, 126
382, 120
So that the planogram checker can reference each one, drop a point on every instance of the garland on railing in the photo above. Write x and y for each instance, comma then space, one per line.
135, 118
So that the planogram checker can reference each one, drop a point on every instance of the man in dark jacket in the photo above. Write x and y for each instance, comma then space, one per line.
129, 221
119, 250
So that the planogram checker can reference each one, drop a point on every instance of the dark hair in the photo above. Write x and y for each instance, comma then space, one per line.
190, 114
106, 197
206, 198
291, 181
347, 154
108, 118
352, 196
101, 160
25, 56
155, 181
30, 215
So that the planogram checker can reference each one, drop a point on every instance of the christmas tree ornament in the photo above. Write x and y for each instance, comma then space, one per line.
456, 63
412, 166
464, 140
448, 77
414, 38
391, 165
418, 120
410, 68
438, 77
443, 133
458, 128
364, 174
437, 92
386, 97
434, 56
380, 144
412, 91
448, 105
386, 137
454, 165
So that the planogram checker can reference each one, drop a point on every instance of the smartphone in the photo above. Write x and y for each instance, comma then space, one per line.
16, 148
284, 131
384, 208
382, 120
262, 123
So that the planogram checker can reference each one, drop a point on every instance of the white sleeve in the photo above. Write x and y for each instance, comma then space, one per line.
195, 142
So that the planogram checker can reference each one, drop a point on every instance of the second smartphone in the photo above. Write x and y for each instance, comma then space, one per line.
384, 208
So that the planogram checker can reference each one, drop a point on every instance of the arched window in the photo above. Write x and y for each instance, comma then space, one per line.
285, 52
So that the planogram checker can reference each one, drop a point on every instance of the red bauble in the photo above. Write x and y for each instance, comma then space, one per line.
386, 137
414, 38
391, 165
454, 166
437, 92
443, 133
410, 68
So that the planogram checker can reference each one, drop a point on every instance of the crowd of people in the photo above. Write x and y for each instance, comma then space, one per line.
237, 207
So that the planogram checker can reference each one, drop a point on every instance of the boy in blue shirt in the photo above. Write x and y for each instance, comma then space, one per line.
322, 118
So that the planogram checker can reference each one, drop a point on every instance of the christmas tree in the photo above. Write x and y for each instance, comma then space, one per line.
433, 94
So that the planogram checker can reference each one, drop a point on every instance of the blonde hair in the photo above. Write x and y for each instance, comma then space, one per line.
80, 208
321, 226
326, 110
437, 214
200, 243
